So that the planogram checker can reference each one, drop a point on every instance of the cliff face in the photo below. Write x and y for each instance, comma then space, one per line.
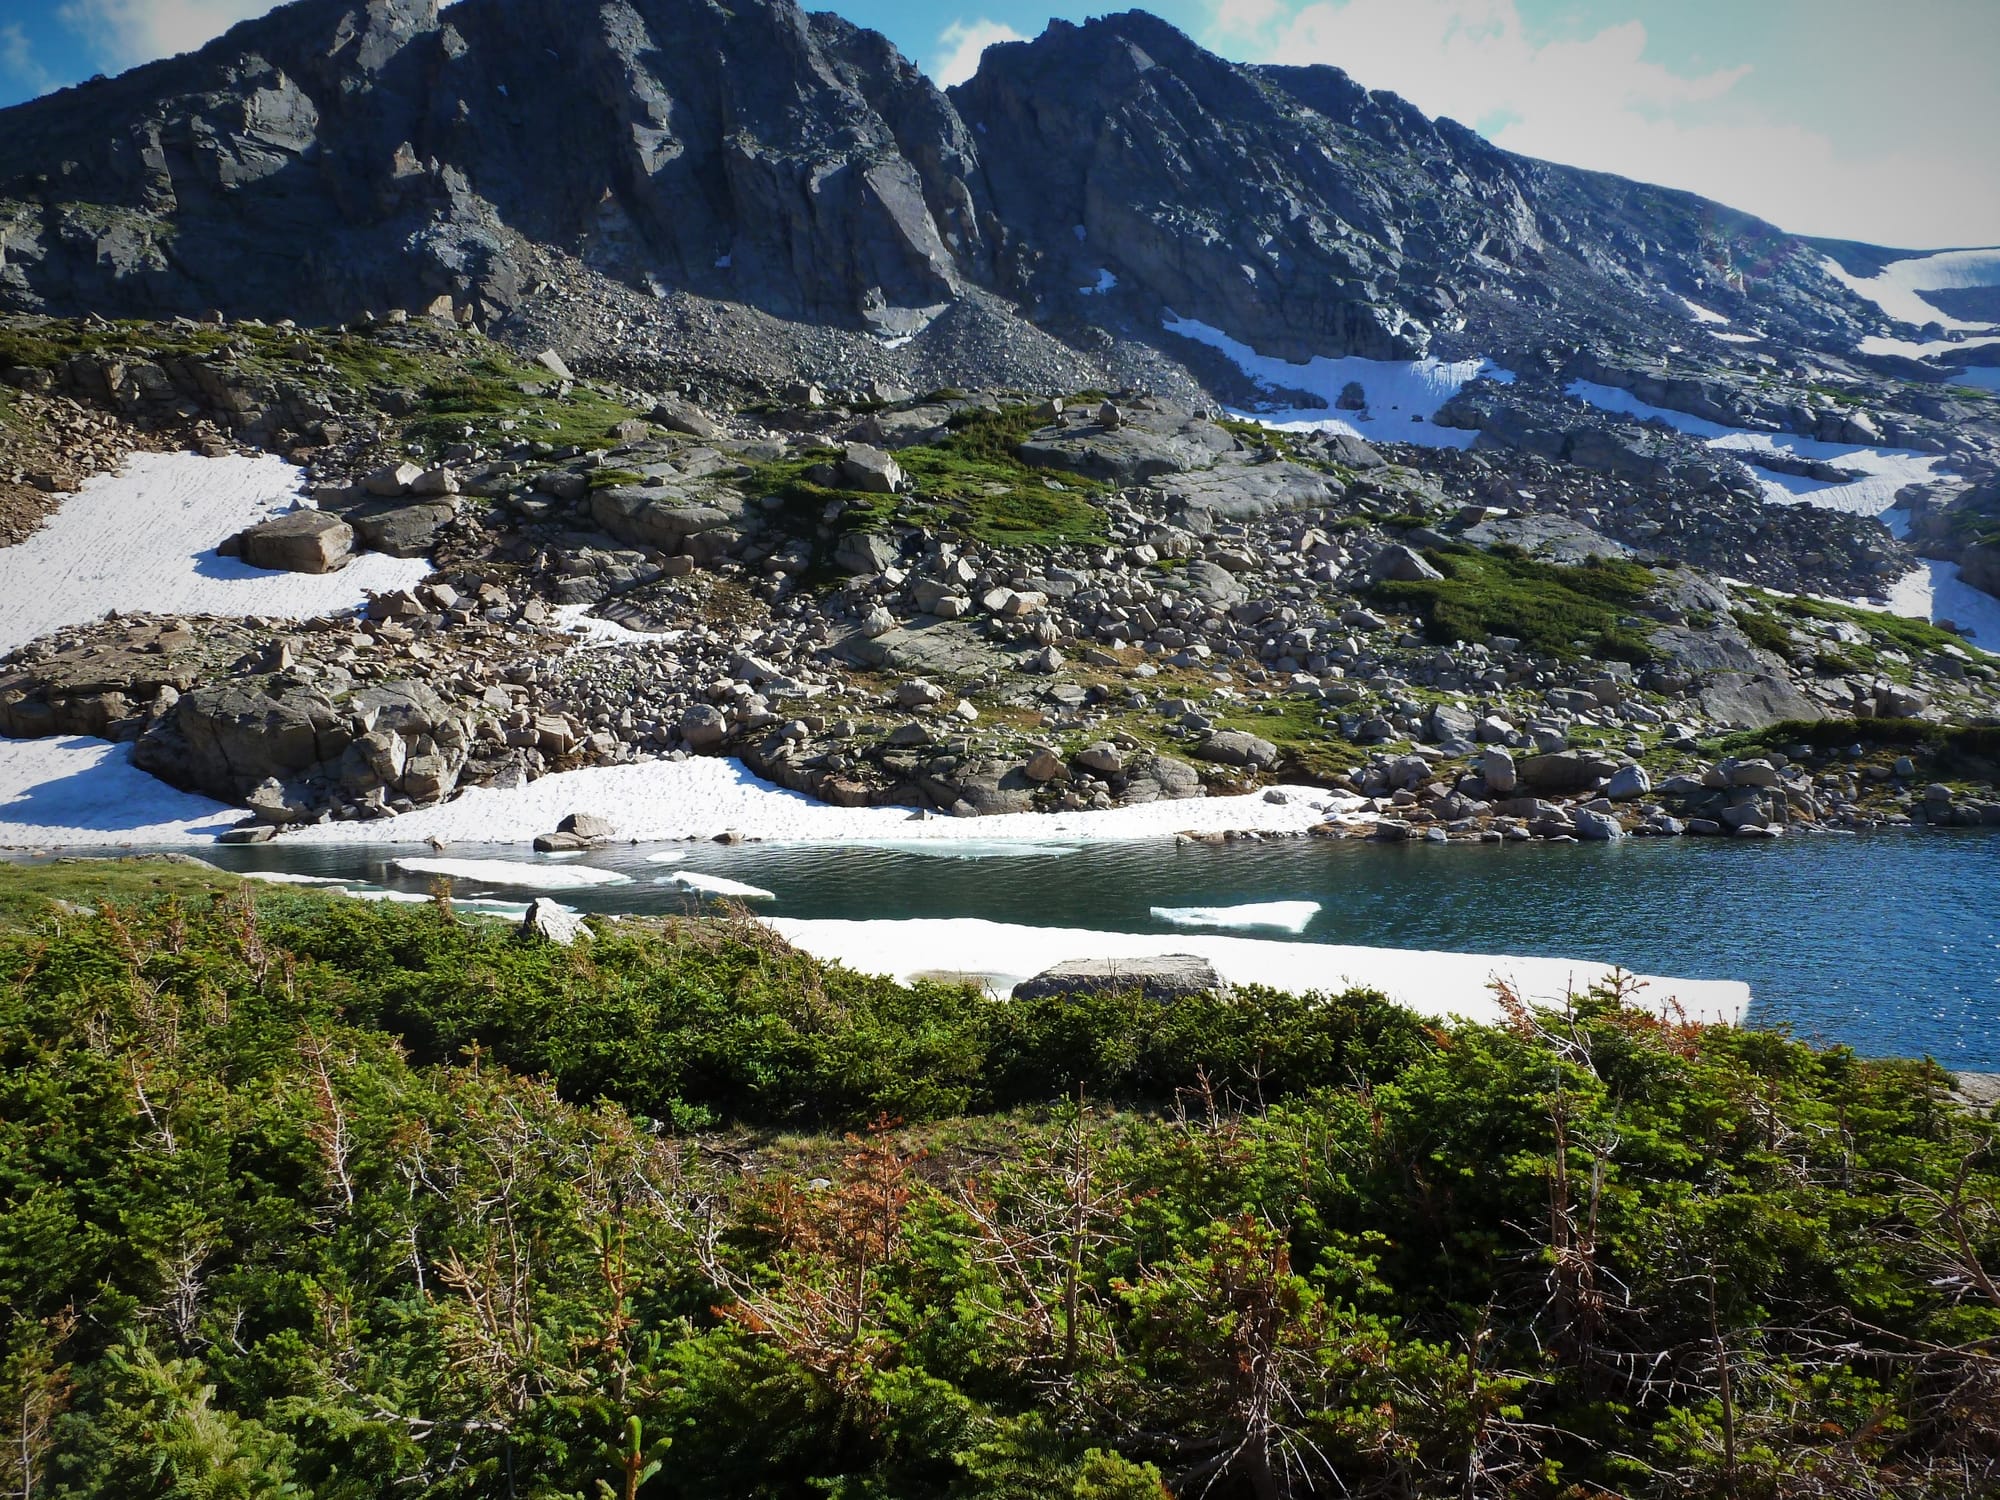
337, 155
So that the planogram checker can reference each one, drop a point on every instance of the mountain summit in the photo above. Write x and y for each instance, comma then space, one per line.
336, 156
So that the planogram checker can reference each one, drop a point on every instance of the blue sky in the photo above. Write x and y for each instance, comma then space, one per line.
1852, 118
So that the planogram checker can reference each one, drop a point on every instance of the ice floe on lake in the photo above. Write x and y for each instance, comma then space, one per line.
1280, 916
1403, 396
716, 885
509, 872
143, 540
1004, 955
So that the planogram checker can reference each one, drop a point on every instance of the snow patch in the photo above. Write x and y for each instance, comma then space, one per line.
1738, 338
514, 873
1284, 916
1884, 471
1403, 396
143, 540
1435, 984
594, 632
82, 793
1106, 282
1703, 314
1896, 286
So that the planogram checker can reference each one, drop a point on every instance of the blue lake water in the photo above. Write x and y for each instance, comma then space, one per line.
1889, 943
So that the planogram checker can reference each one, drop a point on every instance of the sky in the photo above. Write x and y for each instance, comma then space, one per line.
1853, 119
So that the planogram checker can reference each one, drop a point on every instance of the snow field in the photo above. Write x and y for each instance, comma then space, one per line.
1896, 286
1398, 392
143, 540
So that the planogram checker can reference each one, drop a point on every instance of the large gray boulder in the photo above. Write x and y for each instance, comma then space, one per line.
1172, 977
1233, 747
1564, 773
303, 541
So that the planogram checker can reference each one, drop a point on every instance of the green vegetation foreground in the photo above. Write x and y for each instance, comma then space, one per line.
302, 1196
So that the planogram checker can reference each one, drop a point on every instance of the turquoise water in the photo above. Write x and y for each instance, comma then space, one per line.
1889, 943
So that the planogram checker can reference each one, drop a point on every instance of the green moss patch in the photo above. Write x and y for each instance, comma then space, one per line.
1567, 612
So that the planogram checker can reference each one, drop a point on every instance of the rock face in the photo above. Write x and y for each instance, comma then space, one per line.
337, 156
1173, 977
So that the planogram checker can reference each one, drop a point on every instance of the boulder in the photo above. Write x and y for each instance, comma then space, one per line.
1044, 765
1171, 977
1233, 747
867, 468
1497, 767
404, 530
1629, 784
587, 826
676, 415
1597, 827
545, 921
1564, 773
1105, 758
703, 727
860, 552
305, 541
1401, 565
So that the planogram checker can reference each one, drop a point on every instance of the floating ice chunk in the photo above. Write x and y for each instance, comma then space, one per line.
535, 877
667, 857
1282, 916
977, 849
716, 885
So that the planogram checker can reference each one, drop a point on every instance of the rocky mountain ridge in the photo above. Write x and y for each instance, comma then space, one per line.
334, 157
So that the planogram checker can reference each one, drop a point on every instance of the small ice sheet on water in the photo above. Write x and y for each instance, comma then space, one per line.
1283, 916
513, 873
716, 885
977, 848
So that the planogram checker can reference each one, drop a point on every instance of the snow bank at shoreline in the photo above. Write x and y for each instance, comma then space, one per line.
143, 540
83, 793
1433, 984
75, 793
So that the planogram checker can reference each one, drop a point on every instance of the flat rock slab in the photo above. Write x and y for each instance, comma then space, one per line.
1552, 538
1238, 487
1147, 444
942, 648
1175, 976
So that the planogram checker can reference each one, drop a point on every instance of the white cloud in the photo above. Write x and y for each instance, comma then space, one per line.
18, 60
124, 33
1596, 101
961, 43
